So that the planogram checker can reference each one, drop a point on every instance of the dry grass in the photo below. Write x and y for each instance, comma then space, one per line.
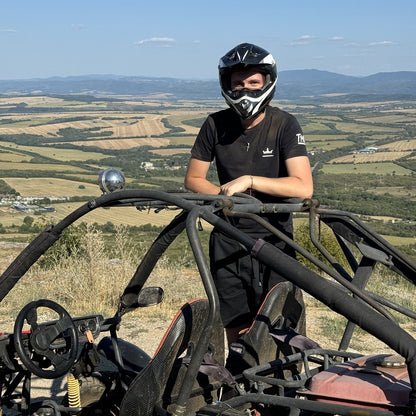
92, 279
94, 276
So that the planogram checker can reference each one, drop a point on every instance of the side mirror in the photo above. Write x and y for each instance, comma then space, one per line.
150, 296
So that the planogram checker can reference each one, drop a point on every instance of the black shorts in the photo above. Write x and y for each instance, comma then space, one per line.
241, 281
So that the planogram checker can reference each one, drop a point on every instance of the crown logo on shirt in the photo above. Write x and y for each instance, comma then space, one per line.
268, 152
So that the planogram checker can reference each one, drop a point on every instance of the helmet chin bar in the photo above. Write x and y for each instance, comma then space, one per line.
247, 106
247, 109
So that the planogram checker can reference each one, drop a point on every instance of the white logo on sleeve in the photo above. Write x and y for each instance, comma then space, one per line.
301, 138
268, 153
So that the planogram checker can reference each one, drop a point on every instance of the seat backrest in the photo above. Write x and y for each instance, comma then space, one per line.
282, 308
159, 381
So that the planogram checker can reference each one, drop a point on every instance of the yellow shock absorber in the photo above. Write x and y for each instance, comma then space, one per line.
74, 398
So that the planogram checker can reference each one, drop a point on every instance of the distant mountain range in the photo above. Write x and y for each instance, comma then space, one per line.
295, 84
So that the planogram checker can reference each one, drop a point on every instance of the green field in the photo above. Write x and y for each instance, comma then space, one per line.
399, 241
159, 134
399, 191
51, 167
365, 128
40, 187
362, 168
333, 138
62, 155
326, 144
10, 156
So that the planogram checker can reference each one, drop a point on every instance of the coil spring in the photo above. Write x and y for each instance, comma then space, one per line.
74, 398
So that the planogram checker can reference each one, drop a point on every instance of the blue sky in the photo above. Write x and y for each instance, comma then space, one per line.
185, 39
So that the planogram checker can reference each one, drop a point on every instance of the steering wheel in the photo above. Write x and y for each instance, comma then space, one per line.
53, 343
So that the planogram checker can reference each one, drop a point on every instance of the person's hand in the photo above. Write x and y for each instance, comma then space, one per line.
240, 184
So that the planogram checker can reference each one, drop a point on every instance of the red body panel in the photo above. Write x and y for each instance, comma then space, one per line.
362, 382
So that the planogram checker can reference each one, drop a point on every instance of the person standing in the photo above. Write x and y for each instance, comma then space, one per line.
258, 149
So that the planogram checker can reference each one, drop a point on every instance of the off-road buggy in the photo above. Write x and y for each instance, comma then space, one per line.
274, 368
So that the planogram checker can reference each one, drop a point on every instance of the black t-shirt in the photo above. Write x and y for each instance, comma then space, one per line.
259, 151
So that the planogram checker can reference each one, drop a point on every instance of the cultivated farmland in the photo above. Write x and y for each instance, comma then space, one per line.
371, 158
122, 125
400, 145
120, 144
57, 146
62, 155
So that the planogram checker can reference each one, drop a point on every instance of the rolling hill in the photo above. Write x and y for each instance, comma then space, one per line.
294, 84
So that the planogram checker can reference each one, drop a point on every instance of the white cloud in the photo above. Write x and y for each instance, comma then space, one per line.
156, 41
298, 43
382, 43
336, 38
8, 30
303, 40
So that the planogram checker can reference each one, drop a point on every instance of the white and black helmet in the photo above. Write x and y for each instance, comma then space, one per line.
247, 103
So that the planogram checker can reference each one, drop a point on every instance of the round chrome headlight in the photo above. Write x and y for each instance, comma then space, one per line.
111, 180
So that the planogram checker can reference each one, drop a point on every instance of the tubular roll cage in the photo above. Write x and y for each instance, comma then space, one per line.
363, 308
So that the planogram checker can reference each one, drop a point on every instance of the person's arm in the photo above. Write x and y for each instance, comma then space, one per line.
298, 183
196, 178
